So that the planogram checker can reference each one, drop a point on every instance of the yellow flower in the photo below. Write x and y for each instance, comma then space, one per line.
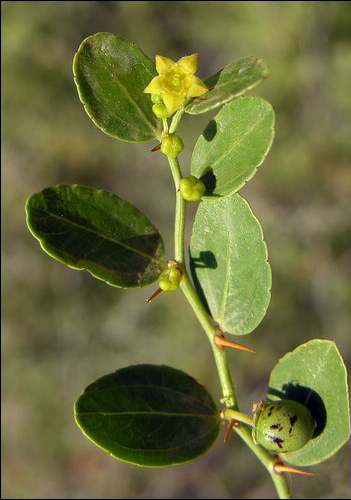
176, 81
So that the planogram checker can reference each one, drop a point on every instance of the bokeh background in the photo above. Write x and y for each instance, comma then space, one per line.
63, 328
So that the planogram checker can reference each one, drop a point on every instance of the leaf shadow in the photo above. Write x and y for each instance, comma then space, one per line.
205, 260
210, 131
309, 398
210, 181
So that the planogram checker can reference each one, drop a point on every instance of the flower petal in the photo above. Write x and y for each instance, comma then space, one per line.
197, 87
155, 86
163, 64
189, 63
172, 101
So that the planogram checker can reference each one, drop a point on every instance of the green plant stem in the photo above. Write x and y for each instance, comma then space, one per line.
230, 414
229, 398
165, 125
179, 225
176, 119
279, 480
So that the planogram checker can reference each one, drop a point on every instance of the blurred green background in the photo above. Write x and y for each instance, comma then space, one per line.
63, 328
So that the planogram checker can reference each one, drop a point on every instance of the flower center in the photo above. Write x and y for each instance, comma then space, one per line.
176, 81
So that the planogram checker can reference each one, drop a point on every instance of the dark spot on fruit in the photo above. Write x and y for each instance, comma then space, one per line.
276, 426
293, 420
278, 441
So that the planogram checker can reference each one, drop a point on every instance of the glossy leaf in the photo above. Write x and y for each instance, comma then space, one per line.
111, 74
149, 415
96, 230
229, 83
314, 374
234, 143
229, 263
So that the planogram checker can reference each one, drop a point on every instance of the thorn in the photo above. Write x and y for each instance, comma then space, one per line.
280, 469
221, 341
156, 148
158, 291
232, 423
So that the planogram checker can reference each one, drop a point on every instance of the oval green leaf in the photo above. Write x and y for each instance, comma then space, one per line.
149, 415
229, 263
111, 74
229, 83
314, 374
234, 143
97, 231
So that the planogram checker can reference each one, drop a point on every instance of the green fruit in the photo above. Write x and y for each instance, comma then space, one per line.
160, 110
156, 98
191, 188
283, 426
170, 280
172, 145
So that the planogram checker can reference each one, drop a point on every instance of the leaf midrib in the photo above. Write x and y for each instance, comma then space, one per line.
127, 247
167, 414
132, 100
239, 140
163, 388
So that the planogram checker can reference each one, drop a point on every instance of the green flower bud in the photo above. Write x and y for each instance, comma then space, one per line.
283, 426
191, 188
156, 98
172, 145
170, 279
160, 110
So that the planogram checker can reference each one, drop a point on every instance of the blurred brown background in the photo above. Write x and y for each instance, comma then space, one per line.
63, 328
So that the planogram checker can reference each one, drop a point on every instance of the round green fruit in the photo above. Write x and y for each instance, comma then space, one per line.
172, 145
191, 188
156, 98
170, 280
283, 426
160, 110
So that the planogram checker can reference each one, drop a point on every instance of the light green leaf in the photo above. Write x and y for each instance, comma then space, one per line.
96, 230
229, 83
149, 415
234, 143
314, 374
111, 74
229, 263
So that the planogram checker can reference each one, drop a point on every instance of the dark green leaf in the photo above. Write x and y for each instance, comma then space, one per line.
234, 143
111, 74
314, 374
229, 83
96, 230
149, 415
229, 263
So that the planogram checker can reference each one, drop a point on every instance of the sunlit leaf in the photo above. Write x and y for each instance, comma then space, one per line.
314, 374
229, 83
229, 263
111, 74
234, 143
